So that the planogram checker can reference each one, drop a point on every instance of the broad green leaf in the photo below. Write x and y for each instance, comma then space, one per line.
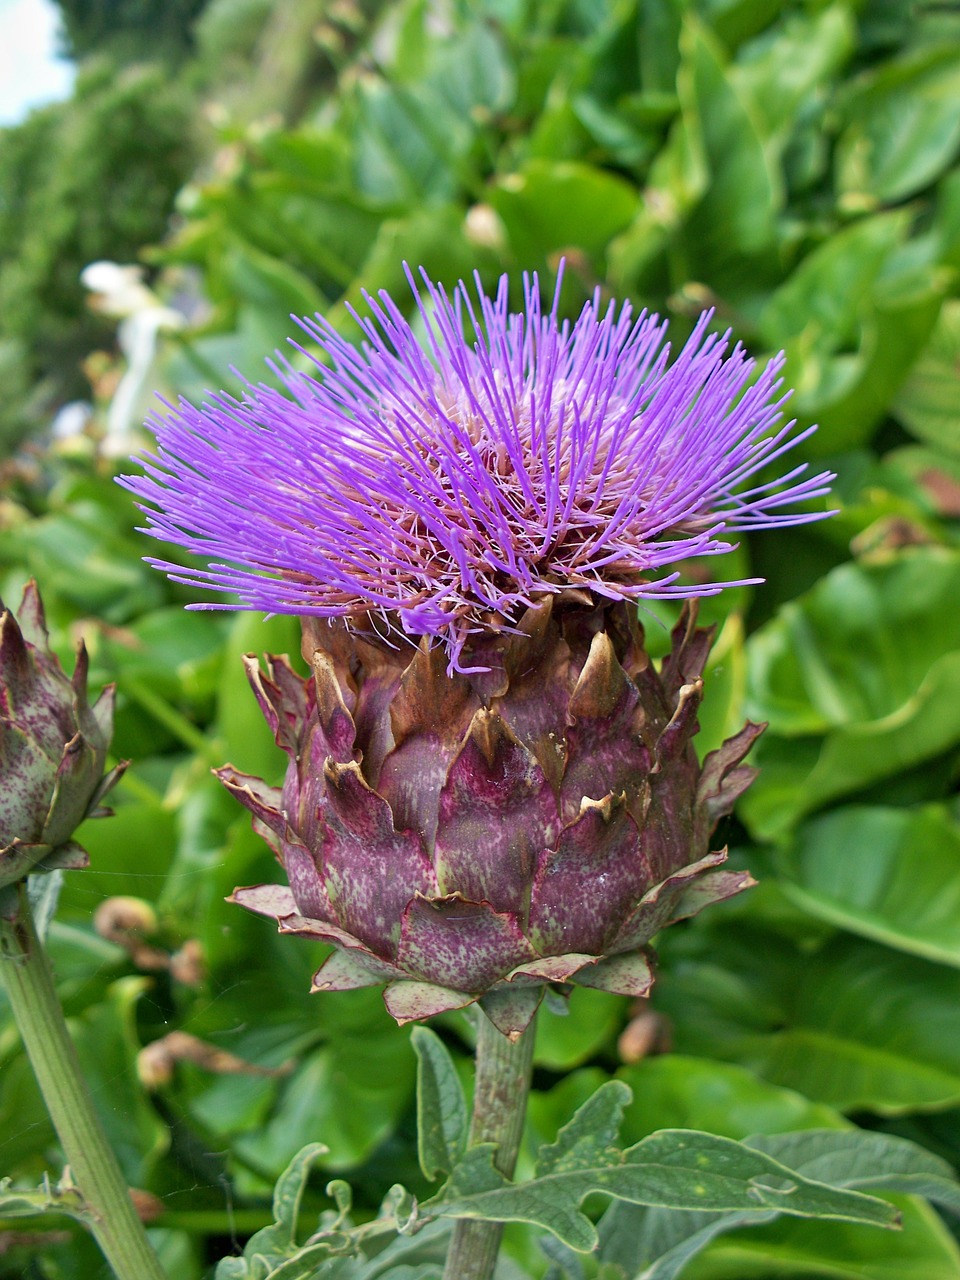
859, 680
177, 1253
853, 392
231, 1104
274, 287
341, 1092
724, 685
107, 1046
927, 403
781, 76
794, 1250
432, 237
407, 142
889, 874
29, 1135
819, 305
547, 206
676, 1169
441, 1106
130, 853
320, 236
69, 553
734, 222
852, 324
904, 128
473, 75
678, 1092
658, 45
862, 1028
592, 1020
178, 652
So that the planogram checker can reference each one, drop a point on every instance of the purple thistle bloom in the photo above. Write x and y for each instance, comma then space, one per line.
441, 485
520, 804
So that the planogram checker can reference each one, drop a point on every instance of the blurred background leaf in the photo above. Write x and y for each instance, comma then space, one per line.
795, 166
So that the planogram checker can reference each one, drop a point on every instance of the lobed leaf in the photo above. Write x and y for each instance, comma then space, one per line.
673, 1169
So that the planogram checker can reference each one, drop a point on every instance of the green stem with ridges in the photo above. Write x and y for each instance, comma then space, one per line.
28, 980
503, 1076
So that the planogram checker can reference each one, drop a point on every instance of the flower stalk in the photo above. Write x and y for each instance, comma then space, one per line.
503, 1071
28, 980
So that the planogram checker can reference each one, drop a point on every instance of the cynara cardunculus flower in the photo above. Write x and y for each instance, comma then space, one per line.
490, 786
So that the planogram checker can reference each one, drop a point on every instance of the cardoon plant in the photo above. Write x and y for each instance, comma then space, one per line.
53, 750
491, 788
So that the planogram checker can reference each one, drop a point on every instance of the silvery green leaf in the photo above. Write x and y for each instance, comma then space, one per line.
673, 1169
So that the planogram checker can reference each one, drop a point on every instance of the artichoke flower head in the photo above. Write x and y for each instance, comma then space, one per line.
490, 787
53, 747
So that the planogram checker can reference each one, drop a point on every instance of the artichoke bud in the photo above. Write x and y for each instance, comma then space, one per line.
478, 834
53, 746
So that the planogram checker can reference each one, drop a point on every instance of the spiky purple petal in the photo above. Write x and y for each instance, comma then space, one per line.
431, 484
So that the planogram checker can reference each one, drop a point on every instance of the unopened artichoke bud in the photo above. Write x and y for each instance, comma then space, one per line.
479, 835
53, 746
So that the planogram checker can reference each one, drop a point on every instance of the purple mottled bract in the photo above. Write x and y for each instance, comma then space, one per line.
478, 836
433, 483
491, 787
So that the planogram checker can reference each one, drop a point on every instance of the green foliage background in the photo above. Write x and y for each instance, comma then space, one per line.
793, 164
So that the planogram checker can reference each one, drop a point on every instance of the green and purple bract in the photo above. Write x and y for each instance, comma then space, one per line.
430, 479
53, 749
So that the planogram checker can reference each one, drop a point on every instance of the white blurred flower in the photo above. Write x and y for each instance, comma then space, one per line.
119, 291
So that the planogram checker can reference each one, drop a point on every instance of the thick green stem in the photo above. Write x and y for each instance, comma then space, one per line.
36, 1007
499, 1106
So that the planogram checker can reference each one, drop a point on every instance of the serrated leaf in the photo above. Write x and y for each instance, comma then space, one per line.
589, 1136
278, 1239
291, 1185
673, 1169
845, 1158
441, 1106
854, 1158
